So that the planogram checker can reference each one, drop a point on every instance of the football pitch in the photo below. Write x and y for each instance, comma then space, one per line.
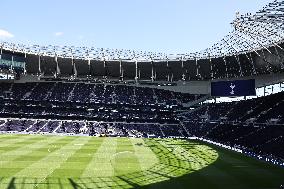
51, 162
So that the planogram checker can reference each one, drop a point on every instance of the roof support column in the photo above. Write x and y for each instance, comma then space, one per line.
89, 64
12, 64
39, 64
74, 74
136, 71
211, 68
25, 70
183, 71
197, 68
57, 73
152, 77
120, 71
168, 76
89, 67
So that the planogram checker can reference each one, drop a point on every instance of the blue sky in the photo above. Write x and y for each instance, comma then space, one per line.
169, 26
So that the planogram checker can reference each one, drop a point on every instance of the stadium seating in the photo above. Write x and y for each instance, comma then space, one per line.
264, 140
92, 128
259, 110
91, 101
255, 125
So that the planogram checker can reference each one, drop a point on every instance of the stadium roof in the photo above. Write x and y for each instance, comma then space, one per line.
251, 32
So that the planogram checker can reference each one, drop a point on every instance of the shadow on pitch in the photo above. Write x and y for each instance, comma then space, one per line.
172, 172
171, 166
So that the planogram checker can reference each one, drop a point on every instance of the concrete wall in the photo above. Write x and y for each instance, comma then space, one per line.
193, 87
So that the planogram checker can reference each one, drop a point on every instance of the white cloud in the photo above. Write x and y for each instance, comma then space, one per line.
57, 34
5, 34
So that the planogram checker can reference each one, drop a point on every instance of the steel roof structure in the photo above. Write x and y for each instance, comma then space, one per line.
250, 33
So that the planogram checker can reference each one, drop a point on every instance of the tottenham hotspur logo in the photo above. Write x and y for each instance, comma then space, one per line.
232, 86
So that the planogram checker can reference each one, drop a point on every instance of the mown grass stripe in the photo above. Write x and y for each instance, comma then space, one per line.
22, 161
174, 169
16, 139
19, 145
75, 165
102, 163
27, 156
158, 172
144, 154
125, 158
44, 167
10, 156
8, 136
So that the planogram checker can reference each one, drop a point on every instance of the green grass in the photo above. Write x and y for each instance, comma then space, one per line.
34, 161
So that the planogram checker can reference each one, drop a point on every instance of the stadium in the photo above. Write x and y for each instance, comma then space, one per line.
88, 117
